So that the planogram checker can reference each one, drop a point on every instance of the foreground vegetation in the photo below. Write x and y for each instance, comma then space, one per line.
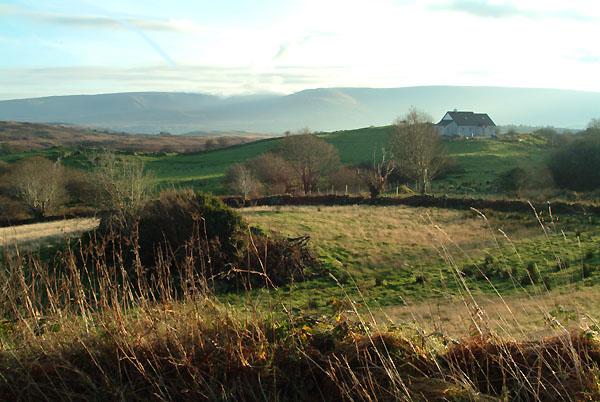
190, 301
174, 296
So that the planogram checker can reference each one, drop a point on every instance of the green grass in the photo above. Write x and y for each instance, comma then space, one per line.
399, 255
205, 170
479, 162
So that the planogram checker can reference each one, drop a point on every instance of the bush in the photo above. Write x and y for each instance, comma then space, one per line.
278, 260
577, 166
512, 181
188, 237
532, 276
83, 188
178, 218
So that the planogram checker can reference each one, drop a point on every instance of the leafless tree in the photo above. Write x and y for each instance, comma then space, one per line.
241, 180
345, 180
375, 175
417, 148
594, 124
274, 172
223, 141
311, 157
125, 182
38, 183
210, 143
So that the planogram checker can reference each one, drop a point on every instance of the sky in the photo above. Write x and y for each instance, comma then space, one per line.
227, 47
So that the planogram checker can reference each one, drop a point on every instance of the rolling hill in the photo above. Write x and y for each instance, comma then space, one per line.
324, 109
480, 161
24, 137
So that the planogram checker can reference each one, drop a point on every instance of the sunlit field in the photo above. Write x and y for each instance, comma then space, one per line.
424, 261
28, 236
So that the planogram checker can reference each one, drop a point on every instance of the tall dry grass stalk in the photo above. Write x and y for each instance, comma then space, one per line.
92, 324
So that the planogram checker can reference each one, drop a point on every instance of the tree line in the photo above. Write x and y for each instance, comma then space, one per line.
38, 186
305, 163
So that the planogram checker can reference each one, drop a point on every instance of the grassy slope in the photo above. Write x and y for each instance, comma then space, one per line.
480, 161
387, 249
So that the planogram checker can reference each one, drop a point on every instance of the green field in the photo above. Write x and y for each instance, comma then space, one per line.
479, 162
398, 256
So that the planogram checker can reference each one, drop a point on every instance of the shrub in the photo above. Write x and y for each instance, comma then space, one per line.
177, 218
420, 279
11, 209
83, 188
577, 166
547, 282
533, 272
587, 270
278, 260
512, 180
183, 236
241, 180
344, 178
273, 172
532, 276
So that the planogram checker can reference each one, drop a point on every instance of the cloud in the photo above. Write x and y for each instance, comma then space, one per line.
109, 22
220, 80
489, 9
589, 58
286, 47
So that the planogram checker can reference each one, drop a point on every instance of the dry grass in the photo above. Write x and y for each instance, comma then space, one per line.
87, 329
515, 317
45, 232
383, 237
376, 225
20, 136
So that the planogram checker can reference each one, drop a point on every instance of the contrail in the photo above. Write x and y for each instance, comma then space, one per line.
125, 23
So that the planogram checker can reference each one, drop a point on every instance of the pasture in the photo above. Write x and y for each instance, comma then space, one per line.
479, 163
396, 257
46, 233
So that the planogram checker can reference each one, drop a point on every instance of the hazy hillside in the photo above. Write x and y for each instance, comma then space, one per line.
22, 136
318, 109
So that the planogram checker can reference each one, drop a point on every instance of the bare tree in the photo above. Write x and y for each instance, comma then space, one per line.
38, 183
417, 148
311, 157
241, 180
375, 175
594, 124
210, 143
345, 180
274, 172
125, 182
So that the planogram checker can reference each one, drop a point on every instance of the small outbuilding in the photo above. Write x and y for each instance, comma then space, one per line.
466, 124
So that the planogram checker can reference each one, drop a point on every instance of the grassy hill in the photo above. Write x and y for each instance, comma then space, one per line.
479, 162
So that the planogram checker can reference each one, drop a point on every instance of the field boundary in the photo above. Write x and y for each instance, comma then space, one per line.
6, 222
414, 201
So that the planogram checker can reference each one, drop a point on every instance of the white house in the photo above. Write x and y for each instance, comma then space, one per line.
466, 124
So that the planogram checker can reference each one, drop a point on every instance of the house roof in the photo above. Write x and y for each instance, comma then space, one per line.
468, 119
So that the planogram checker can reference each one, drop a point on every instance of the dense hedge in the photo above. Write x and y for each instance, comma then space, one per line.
577, 165
415, 201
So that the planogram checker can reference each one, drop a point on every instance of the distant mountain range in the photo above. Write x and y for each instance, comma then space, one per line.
318, 109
